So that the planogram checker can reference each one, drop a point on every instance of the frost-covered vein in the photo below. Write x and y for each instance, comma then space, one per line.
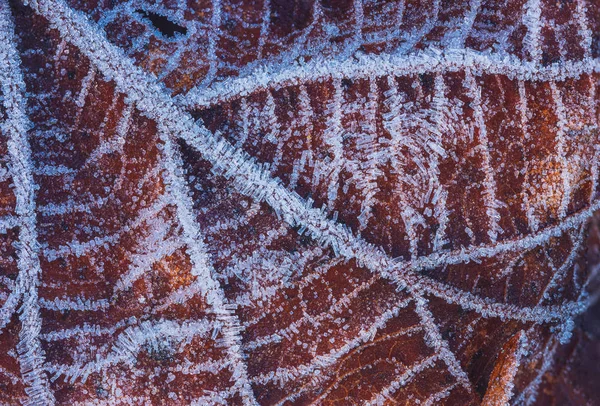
532, 16
128, 344
437, 397
305, 122
9, 306
583, 27
253, 180
85, 89
12, 301
213, 39
559, 273
457, 38
321, 362
413, 37
359, 17
115, 143
529, 394
155, 246
234, 224
80, 248
276, 271
77, 304
374, 66
202, 267
528, 207
333, 137
434, 339
72, 206
271, 122
528, 242
267, 238
213, 398
244, 122
396, 124
87, 330
53, 170
264, 27
565, 174
363, 366
522, 350
31, 356
401, 380
300, 285
188, 368
399, 14
489, 193
368, 142
440, 194
335, 307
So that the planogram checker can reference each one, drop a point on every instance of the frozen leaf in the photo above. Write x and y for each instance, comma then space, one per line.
295, 202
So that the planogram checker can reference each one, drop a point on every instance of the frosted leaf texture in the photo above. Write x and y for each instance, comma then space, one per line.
299, 202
